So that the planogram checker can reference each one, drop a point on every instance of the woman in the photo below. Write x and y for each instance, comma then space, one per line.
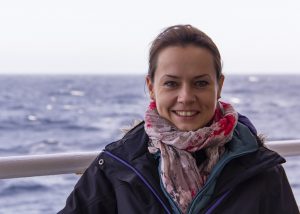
193, 153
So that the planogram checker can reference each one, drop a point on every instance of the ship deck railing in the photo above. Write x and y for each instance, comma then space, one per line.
77, 162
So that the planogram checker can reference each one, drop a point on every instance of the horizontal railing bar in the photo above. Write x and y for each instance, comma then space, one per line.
77, 162
285, 147
46, 164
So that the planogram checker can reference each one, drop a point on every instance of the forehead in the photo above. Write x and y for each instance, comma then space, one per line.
187, 60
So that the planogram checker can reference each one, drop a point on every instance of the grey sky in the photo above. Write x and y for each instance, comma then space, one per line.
64, 36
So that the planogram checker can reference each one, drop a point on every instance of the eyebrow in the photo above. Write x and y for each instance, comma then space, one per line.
177, 77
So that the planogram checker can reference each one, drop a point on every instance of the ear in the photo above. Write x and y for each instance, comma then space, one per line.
220, 85
150, 87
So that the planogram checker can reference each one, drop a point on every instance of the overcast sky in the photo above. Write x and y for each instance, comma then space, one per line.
101, 37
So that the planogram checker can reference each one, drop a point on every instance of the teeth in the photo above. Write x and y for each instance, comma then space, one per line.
186, 113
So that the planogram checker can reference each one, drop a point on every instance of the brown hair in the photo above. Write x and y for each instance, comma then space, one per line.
181, 35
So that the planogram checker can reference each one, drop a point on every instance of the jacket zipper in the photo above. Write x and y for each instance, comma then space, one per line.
141, 177
209, 181
211, 208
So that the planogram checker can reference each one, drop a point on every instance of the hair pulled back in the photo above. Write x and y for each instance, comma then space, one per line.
182, 35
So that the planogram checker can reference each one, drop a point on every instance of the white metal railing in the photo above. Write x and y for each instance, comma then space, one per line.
46, 164
77, 162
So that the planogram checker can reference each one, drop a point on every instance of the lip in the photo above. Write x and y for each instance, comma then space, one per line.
185, 113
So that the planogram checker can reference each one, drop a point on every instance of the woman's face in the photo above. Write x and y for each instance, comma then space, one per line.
185, 86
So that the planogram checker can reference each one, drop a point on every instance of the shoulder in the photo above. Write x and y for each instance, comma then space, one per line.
95, 190
133, 133
132, 145
264, 190
262, 163
273, 191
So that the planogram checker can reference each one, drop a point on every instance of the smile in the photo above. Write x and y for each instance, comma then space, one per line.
186, 113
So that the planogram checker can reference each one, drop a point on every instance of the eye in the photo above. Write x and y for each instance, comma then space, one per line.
170, 84
201, 83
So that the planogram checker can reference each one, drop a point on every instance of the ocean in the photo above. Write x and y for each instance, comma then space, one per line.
52, 114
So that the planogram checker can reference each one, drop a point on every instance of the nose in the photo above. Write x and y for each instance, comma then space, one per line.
186, 95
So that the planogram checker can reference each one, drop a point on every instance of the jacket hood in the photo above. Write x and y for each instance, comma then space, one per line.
132, 145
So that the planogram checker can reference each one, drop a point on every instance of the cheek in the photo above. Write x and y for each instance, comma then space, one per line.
210, 102
213, 105
163, 102
210, 98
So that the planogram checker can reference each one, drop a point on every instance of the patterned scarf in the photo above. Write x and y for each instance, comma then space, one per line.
180, 175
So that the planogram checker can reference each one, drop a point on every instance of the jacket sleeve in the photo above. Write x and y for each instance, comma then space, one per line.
93, 193
281, 198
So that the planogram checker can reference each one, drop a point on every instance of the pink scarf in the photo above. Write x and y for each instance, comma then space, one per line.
180, 175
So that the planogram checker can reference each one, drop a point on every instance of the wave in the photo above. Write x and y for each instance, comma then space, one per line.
22, 188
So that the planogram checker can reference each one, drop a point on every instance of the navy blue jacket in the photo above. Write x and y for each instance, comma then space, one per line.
124, 179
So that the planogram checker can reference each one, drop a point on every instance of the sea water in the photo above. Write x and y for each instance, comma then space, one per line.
52, 114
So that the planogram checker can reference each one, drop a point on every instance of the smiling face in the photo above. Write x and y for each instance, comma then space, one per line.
185, 86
